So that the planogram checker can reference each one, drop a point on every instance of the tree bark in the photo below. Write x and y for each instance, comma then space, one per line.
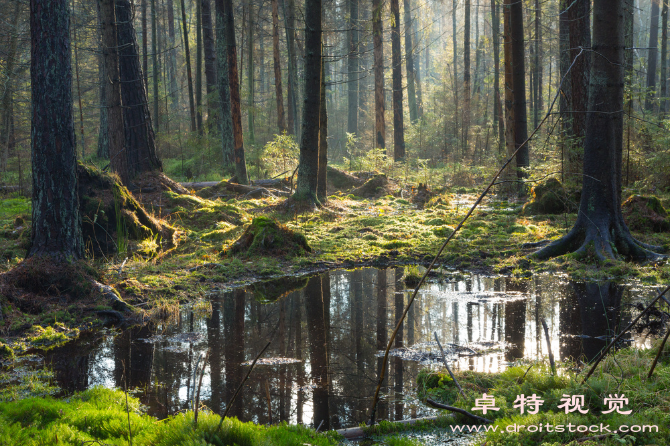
281, 119
210, 66
154, 59
538, 64
306, 186
498, 119
377, 30
519, 89
289, 19
409, 64
353, 69
600, 230
198, 66
565, 98
396, 61
580, 37
322, 176
510, 128
172, 57
664, 58
56, 228
227, 139
6, 102
235, 106
653, 57
454, 33
139, 133
466, 79
189, 74
145, 43
250, 75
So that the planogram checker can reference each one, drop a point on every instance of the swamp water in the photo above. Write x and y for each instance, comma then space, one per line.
321, 367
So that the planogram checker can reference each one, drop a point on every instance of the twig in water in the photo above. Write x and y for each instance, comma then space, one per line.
197, 395
602, 353
382, 372
458, 410
444, 360
230, 403
195, 376
658, 355
551, 355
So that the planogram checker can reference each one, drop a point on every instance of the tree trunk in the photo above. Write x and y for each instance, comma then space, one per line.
154, 59
227, 139
396, 61
250, 75
198, 66
353, 69
417, 73
519, 90
309, 144
235, 106
322, 179
76, 67
172, 57
6, 102
281, 119
664, 58
139, 133
289, 19
466, 79
600, 230
538, 64
145, 44
210, 66
565, 98
455, 86
497, 116
377, 34
189, 74
103, 129
409, 63
653, 57
580, 37
56, 228
510, 128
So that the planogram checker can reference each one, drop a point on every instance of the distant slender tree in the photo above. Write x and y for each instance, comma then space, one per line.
396, 61
139, 133
56, 228
279, 94
466, 78
103, 130
292, 89
653, 56
322, 180
189, 73
377, 34
455, 70
565, 98
198, 67
172, 57
251, 29
498, 118
353, 69
145, 43
664, 57
409, 63
154, 63
210, 66
306, 187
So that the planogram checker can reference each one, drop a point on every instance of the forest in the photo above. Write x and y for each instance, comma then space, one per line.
331, 222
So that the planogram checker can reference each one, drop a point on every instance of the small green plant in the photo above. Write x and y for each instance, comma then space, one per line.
282, 153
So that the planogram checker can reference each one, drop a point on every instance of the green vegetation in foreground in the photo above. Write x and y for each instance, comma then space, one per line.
623, 373
98, 416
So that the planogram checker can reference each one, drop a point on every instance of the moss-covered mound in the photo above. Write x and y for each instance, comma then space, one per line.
645, 214
374, 187
339, 180
200, 213
211, 192
549, 197
268, 237
111, 215
421, 196
275, 289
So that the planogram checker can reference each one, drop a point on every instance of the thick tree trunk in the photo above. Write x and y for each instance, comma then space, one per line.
600, 230
235, 106
377, 34
454, 33
56, 228
510, 128
664, 58
139, 133
580, 37
281, 119
172, 57
466, 80
118, 158
213, 114
537, 108
198, 67
396, 61
289, 19
565, 98
189, 74
498, 119
519, 89
409, 63
306, 186
322, 180
653, 56
227, 139
353, 69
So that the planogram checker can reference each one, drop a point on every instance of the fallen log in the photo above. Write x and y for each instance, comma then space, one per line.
457, 410
253, 191
8, 189
272, 183
356, 433
200, 185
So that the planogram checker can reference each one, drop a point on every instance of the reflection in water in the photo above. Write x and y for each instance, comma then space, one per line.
335, 326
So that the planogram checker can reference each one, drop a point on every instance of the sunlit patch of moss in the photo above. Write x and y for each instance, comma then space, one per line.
51, 336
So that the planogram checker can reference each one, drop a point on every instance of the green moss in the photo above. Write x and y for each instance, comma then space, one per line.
6, 351
266, 235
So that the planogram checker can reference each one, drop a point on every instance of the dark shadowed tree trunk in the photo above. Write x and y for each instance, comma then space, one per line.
292, 90
281, 119
510, 128
565, 98
409, 63
103, 131
579, 16
198, 66
537, 108
227, 139
189, 73
172, 57
210, 67
353, 69
117, 141
519, 91
322, 180
396, 61
309, 144
235, 106
56, 229
6, 102
466, 79
380, 124
653, 56
498, 118
600, 230
139, 133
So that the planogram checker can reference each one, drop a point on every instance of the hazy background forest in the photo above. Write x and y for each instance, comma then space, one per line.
452, 57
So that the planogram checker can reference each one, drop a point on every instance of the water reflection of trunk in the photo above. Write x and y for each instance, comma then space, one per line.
297, 308
233, 329
135, 357
214, 341
318, 345
382, 336
515, 321
600, 314
399, 343
281, 339
70, 364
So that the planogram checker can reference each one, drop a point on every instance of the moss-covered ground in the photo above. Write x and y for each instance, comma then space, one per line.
624, 373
